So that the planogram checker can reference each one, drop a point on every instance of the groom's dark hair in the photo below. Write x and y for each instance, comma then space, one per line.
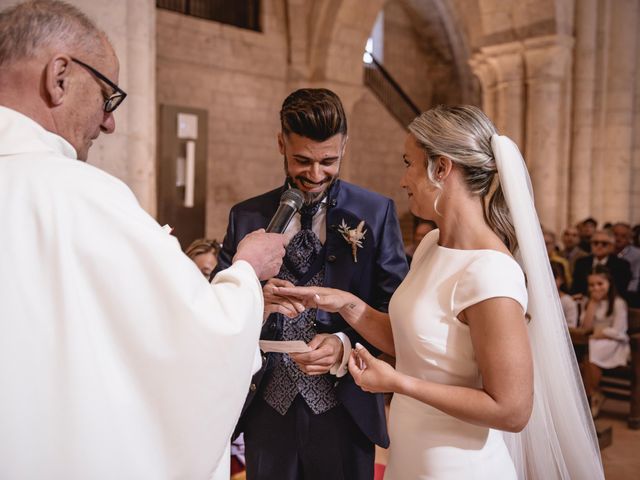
314, 113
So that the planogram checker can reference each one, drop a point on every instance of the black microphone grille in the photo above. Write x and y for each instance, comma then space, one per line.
293, 196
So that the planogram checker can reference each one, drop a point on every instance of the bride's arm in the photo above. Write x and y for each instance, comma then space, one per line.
372, 325
501, 346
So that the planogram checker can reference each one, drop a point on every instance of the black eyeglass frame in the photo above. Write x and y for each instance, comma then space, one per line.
116, 98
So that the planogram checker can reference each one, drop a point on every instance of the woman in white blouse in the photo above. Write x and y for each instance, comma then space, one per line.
606, 313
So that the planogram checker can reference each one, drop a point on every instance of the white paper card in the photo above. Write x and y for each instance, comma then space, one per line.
291, 346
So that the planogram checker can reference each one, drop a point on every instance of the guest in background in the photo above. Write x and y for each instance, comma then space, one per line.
420, 228
626, 250
636, 235
605, 312
587, 228
572, 251
602, 254
569, 305
204, 253
554, 256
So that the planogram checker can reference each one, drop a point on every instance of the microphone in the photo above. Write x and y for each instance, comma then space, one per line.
290, 202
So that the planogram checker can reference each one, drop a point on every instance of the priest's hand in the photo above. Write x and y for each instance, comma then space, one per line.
371, 374
288, 306
326, 351
263, 251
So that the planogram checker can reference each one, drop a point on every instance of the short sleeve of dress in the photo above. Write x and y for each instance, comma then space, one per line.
490, 275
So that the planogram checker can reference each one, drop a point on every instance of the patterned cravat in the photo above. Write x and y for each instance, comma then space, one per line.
305, 245
287, 381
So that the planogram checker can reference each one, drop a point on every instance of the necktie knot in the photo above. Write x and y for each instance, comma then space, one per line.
307, 213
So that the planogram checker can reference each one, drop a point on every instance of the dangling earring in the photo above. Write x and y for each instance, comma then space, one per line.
435, 203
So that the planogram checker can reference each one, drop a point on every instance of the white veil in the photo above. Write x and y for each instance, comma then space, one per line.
559, 442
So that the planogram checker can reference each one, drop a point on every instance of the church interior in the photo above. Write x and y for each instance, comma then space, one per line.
205, 81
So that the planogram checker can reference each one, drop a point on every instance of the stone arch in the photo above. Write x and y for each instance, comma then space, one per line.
338, 33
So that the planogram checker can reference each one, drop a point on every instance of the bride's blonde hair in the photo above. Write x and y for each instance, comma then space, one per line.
463, 135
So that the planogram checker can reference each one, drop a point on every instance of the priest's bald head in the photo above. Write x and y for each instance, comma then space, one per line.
59, 69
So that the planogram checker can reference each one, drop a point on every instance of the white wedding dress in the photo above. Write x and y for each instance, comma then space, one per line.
432, 344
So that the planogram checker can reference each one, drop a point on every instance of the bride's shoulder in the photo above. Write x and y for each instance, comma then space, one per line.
429, 241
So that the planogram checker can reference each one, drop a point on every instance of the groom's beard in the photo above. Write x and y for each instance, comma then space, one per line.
310, 197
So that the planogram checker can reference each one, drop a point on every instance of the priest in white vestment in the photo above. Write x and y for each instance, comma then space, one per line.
118, 360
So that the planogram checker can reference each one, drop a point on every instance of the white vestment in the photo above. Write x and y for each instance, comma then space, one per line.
118, 360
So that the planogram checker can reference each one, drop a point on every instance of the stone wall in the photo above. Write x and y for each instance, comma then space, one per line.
239, 77
375, 153
404, 57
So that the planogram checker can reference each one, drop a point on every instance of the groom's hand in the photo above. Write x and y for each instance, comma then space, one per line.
326, 351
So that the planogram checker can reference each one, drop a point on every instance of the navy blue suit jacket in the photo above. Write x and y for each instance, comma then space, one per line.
380, 268
619, 268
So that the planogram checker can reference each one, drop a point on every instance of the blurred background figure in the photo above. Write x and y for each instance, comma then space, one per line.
420, 228
204, 253
586, 228
605, 312
554, 256
636, 235
623, 247
569, 305
572, 250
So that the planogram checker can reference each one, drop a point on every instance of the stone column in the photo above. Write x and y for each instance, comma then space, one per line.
635, 162
141, 81
488, 83
619, 110
548, 64
583, 105
508, 67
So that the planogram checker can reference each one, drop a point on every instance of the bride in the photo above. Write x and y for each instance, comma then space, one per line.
486, 382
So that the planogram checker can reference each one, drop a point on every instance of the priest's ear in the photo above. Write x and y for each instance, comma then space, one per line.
57, 79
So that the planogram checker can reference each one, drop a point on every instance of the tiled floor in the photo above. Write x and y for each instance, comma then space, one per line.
621, 459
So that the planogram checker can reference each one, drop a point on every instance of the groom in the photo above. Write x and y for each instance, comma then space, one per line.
305, 418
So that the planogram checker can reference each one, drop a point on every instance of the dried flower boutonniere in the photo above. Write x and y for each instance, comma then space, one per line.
353, 236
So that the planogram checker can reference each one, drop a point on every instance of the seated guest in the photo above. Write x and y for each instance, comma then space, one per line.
420, 228
605, 312
586, 228
569, 305
602, 255
554, 255
204, 254
624, 249
572, 252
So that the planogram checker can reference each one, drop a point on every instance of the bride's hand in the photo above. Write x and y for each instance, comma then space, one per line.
327, 299
371, 374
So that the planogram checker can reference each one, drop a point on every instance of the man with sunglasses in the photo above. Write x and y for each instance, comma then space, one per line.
117, 358
602, 242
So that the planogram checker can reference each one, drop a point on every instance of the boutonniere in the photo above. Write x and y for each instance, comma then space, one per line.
353, 236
